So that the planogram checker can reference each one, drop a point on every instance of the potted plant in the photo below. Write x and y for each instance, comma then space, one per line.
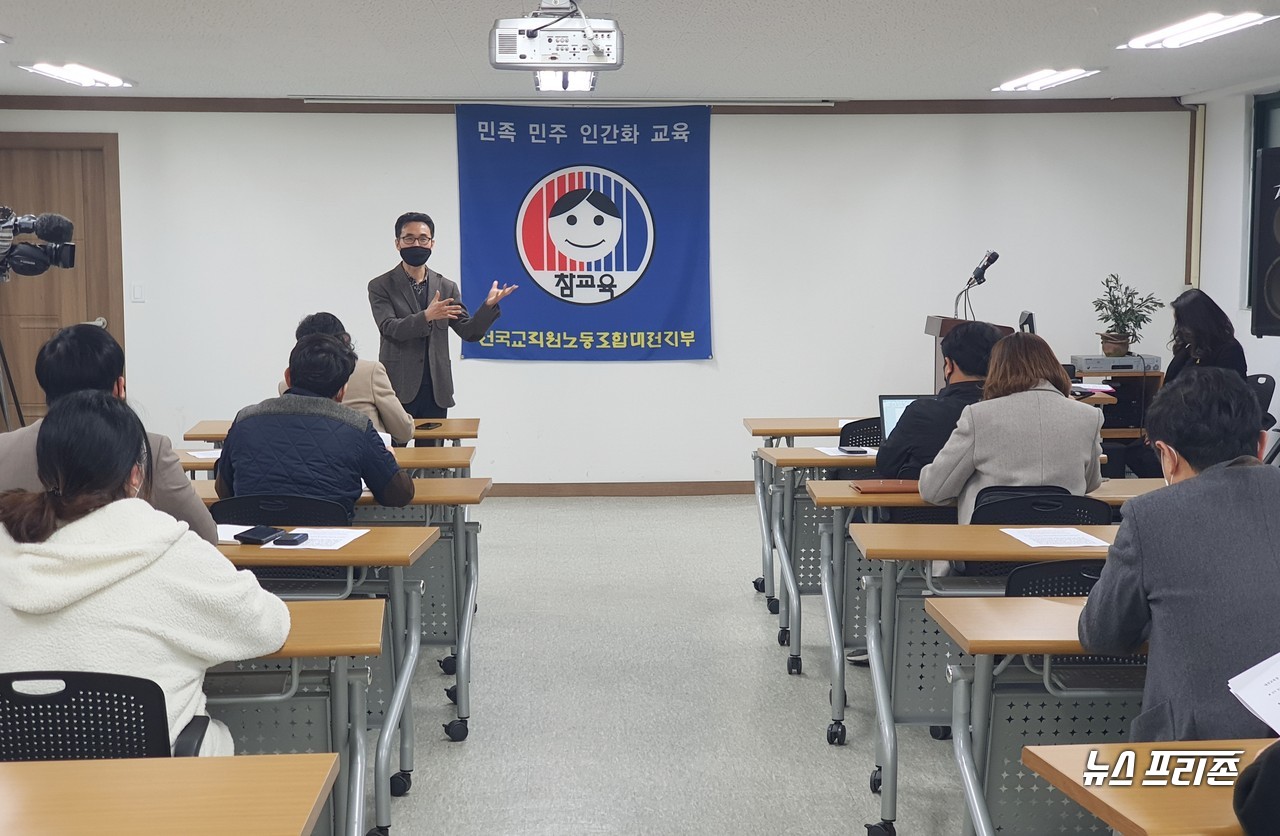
1124, 313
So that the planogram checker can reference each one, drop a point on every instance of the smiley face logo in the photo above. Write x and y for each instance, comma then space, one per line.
585, 225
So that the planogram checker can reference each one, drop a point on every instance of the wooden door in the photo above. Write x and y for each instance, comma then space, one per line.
77, 175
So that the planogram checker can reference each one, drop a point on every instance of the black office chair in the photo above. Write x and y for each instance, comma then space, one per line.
285, 510
1032, 505
867, 432
91, 716
1264, 386
1075, 579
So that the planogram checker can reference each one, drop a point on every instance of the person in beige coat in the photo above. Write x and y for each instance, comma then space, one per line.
368, 389
84, 357
1025, 431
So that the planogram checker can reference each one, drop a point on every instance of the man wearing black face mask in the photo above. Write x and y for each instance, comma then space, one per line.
414, 307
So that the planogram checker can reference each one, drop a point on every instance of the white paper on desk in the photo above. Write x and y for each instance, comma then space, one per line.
1258, 689
1069, 538
1093, 387
227, 533
386, 439
323, 539
836, 451
204, 454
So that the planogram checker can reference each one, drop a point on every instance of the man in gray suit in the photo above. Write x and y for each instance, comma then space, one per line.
414, 307
87, 357
1195, 569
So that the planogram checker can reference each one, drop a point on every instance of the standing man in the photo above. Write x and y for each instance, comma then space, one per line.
414, 307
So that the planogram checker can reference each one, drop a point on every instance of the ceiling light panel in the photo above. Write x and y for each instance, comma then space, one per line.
1197, 30
76, 74
1043, 80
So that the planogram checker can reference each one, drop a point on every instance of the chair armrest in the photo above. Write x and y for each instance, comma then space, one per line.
189, 739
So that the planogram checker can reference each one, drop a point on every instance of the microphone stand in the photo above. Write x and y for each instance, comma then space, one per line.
964, 294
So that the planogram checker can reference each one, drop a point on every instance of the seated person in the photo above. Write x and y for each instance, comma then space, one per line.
1195, 567
926, 424
306, 443
93, 578
1026, 431
87, 357
369, 389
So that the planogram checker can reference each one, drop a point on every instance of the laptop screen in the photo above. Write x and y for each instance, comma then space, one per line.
892, 407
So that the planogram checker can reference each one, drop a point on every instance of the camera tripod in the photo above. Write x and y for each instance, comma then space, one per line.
7, 386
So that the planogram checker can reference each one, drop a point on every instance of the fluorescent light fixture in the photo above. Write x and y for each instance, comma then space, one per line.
5, 39
564, 81
1196, 30
1043, 80
76, 74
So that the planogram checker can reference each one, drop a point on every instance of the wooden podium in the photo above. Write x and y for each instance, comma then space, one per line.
938, 327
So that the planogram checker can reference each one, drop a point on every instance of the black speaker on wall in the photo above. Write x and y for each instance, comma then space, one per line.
1265, 265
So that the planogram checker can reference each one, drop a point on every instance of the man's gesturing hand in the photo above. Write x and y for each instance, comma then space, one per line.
497, 294
442, 309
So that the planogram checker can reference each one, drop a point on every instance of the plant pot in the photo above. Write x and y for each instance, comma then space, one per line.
1113, 346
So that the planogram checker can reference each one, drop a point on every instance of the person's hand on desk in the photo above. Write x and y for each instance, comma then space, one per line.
497, 294
442, 309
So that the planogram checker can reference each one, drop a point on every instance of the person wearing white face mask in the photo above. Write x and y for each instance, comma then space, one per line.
1195, 568
414, 308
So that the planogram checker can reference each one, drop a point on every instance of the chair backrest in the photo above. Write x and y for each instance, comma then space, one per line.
1264, 386
921, 516
279, 509
1043, 510
1054, 579
867, 432
93, 715
994, 493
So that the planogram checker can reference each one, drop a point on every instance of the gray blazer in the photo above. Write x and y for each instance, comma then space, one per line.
1036, 437
1197, 567
171, 490
403, 332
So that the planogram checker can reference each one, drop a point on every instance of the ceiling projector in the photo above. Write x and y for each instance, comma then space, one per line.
558, 36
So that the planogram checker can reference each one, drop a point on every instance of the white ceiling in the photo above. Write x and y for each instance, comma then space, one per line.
752, 49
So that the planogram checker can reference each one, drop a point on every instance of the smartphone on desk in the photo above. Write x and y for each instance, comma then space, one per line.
430, 425
293, 538
855, 451
258, 535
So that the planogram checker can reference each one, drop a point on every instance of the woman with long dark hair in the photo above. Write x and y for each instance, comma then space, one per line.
1202, 336
92, 578
1025, 431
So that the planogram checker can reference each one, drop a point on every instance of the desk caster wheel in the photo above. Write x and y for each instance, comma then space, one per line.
758, 583
875, 781
846, 698
784, 637
794, 665
772, 604
452, 693
456, 729
835, 734
400, 783
940, 732
379, 831
449, 665
884, 828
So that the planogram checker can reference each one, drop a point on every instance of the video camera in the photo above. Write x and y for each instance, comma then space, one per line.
29, 259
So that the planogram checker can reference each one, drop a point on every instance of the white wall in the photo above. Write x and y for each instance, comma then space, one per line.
832, 238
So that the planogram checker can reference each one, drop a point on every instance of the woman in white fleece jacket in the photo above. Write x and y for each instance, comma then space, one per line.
94, 579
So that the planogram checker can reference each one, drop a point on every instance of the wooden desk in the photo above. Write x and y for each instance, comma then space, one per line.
409, 458
793, 427
425, 492
839, 493
333, 628
895, 541
281, 795
382, 546
811, 457
453, 429
1139, 810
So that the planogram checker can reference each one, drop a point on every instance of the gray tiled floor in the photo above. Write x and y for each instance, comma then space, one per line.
628, 680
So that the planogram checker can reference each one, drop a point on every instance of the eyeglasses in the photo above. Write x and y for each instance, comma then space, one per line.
410, 240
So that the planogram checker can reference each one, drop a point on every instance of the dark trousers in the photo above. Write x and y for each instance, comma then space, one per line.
424, 405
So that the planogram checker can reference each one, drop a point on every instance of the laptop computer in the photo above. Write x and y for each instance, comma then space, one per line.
892, 407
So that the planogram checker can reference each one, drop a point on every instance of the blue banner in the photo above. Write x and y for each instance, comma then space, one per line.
602, 216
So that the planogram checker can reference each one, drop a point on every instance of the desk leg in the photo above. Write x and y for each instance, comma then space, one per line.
884, 778
835, 634
465, 580
965, 744
789, 612
359, 758
764, 583
399, 709
341, 730
465, 627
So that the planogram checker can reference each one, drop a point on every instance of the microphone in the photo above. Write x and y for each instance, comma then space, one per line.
980, 272
55, 229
